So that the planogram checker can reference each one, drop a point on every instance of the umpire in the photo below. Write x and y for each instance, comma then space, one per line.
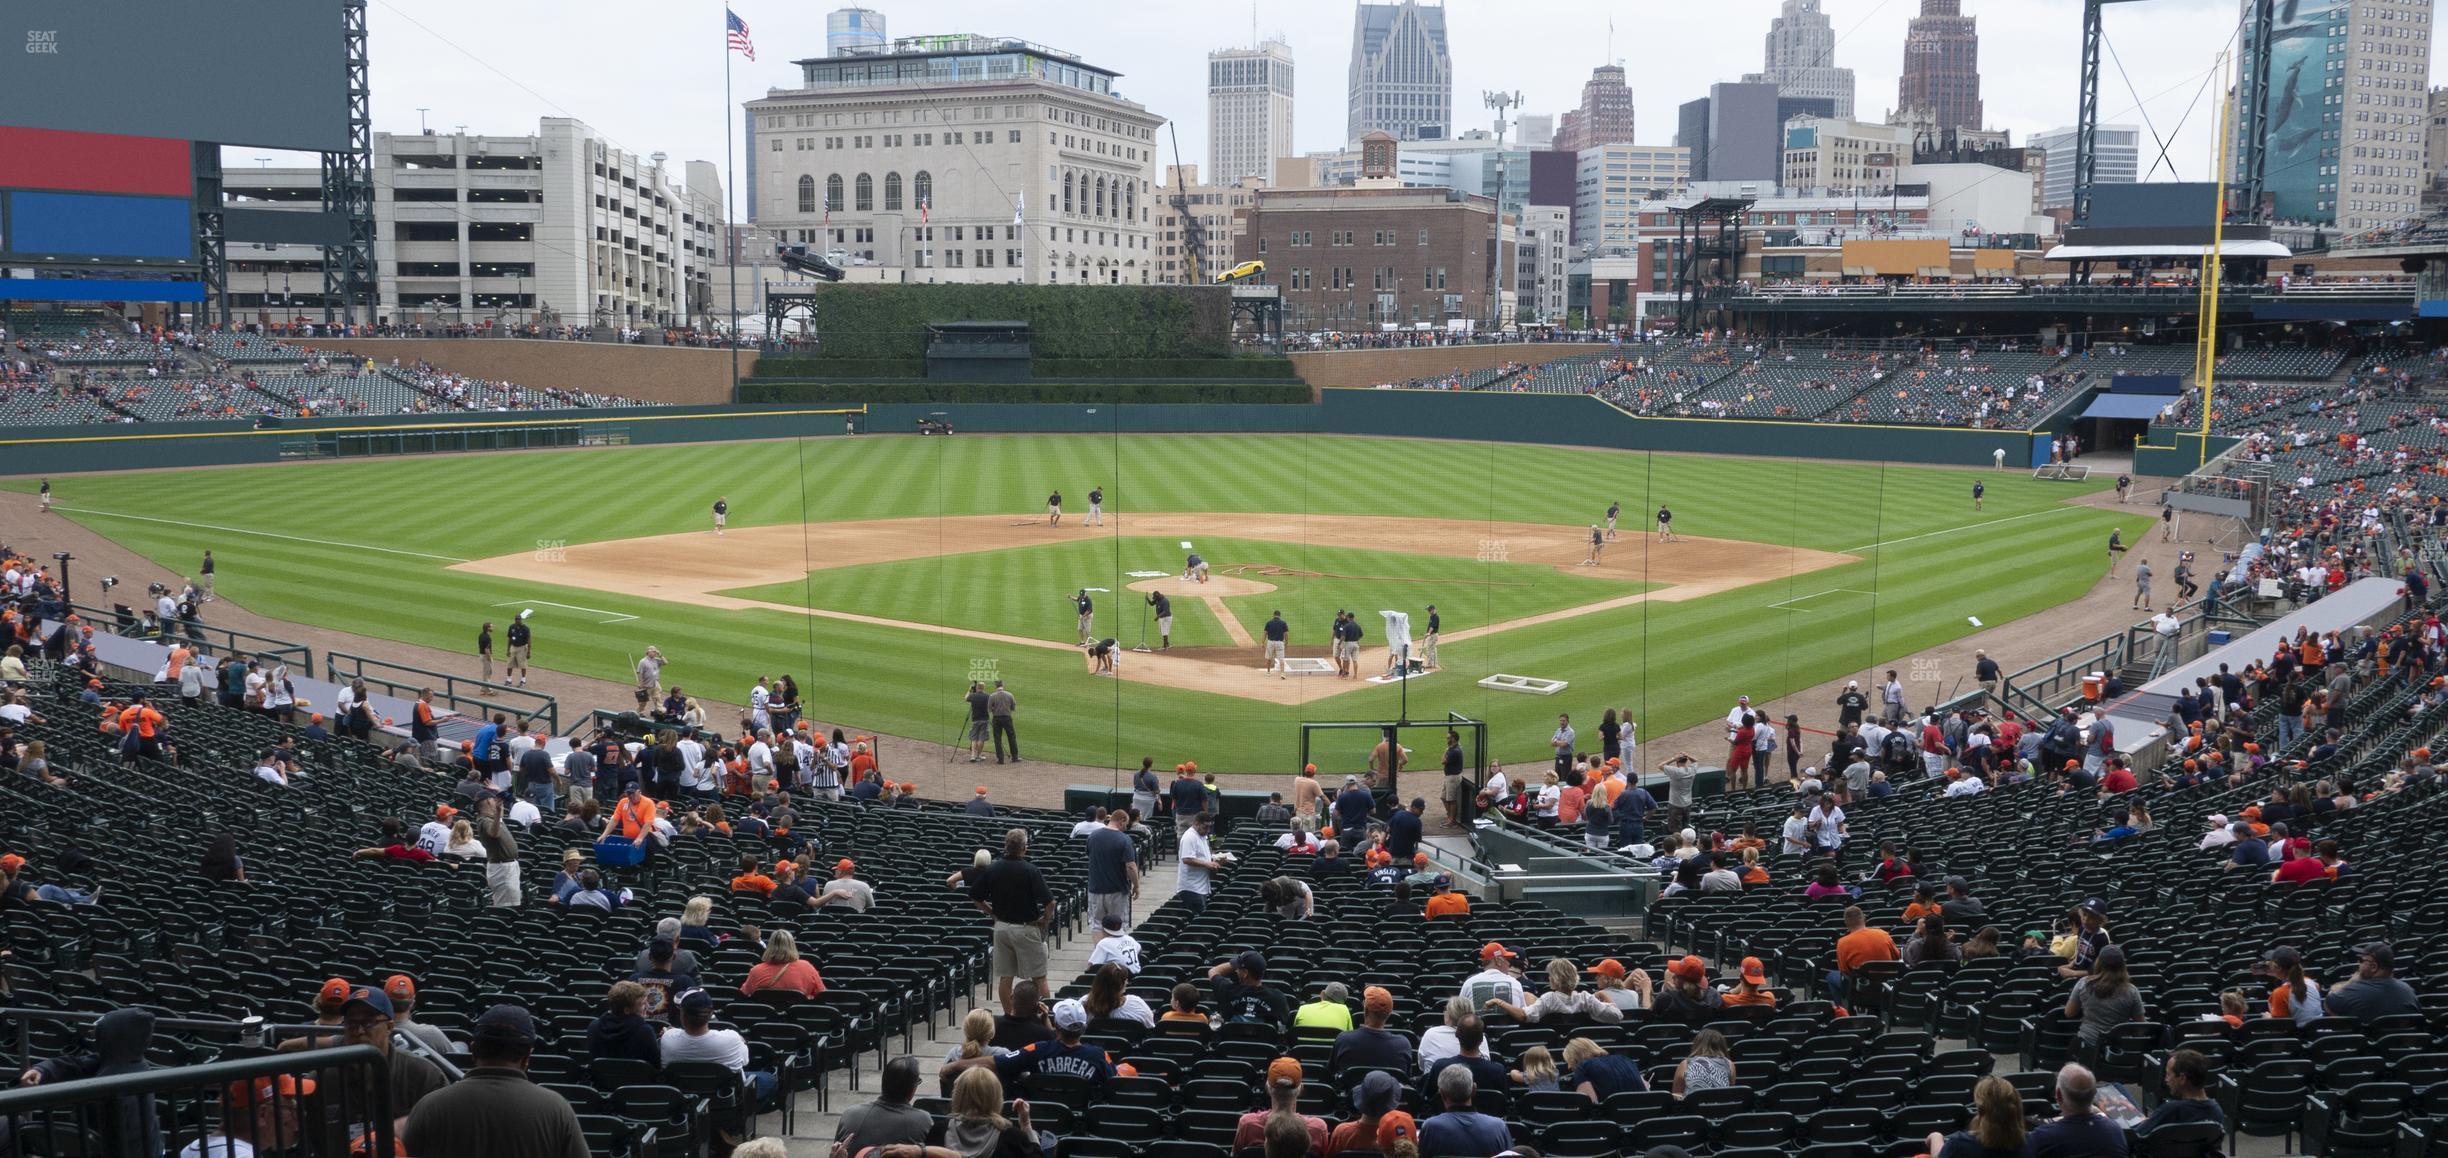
999, 708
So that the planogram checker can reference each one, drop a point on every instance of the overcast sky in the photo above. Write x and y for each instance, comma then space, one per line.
648, 74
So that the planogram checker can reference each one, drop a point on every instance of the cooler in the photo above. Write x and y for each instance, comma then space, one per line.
2095, 686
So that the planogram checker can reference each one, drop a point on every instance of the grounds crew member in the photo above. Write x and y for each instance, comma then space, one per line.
1087, 615
1164, 619
521, 639
1276, 631
999, 708
1428, 642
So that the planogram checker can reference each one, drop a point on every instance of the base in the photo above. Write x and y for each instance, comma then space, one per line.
1529, 684
1307, 665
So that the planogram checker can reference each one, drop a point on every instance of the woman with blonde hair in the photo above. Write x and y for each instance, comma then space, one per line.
976, 1127
1564, 998
696, 930
1538, 1070
1997, 1129
783, 968
1706, 1067
462, 842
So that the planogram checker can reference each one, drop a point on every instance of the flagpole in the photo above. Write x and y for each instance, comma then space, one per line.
730, 191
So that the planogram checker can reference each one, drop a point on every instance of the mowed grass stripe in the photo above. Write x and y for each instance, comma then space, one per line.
1699, 654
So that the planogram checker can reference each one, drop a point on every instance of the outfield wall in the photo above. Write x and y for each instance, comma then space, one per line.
1543, 419
674, 375
1375, 367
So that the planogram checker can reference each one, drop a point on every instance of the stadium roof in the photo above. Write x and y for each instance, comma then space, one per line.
2269, 249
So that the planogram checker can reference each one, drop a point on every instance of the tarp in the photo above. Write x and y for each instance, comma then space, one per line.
2127, 406
1897, 258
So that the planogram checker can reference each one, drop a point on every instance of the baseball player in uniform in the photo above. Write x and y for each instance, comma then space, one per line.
1665, 525
1194, 569
1054, 509
1276, 632
1428, 642
1164, 619
1087, 614
1613, 509
1597, 541
722, 514
1096, 506
520, 639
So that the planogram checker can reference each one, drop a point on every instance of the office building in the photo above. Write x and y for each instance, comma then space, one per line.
2435, 141
1542, 261
1801, 58
854, 32
1198, 225
1734, 133
2120, 161
1605, 115
961, 159
556, 227
2349, 111
1843, 156
1535, 130
1941, 77
1376, 253
1249, 110
1612, 185
1401, 72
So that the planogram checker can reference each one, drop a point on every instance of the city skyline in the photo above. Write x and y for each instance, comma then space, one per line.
427, 58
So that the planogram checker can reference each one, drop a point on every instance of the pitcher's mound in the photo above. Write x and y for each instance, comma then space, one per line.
1216, 586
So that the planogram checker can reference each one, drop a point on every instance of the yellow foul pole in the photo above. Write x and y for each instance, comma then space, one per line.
2205, 343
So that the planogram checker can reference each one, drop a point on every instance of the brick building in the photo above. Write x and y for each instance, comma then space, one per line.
1376, 253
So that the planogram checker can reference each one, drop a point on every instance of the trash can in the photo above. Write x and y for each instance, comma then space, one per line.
2095, 685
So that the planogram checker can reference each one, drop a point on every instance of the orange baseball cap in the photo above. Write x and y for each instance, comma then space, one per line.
1309, 768
11, 863
1326, 833
1608, 968
1126, 1070
1419, 858
786, 867
333, 992
1691, 967
1192, 765
845, 865
1493, 950
444, 812
889, 786
399, 987
247, 1095
1753, 972
1396, 1126
1376, 858
1376, 999
981, 790
1284, 1071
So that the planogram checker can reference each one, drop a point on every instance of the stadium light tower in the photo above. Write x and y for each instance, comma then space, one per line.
1502, 102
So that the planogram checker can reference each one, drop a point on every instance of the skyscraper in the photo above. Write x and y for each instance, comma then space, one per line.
2349, 89
1401, 72
1249, 111
2120, 161
1802, 57
1941, 80
1605, 115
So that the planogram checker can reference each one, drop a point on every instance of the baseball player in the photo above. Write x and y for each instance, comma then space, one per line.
1164, 619
1665, 525
1194, 569
1276, 632
1096, 506
1428, 642
520, 640
1613, 509
1978, 489
1054, 509
1087, 615
1597, 541
722, 514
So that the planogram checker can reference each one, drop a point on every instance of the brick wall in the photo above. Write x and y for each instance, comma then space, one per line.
1376, 367
675, 374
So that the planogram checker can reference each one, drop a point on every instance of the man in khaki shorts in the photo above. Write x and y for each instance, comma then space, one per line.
1277, 631
1015, 894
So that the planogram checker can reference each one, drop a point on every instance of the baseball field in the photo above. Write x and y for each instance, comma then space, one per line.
884, 572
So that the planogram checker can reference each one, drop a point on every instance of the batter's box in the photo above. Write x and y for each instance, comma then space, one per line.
1308, 665
1529, 684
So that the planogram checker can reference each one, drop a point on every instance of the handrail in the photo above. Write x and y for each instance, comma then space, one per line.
181, 1098
230, 637
519, 703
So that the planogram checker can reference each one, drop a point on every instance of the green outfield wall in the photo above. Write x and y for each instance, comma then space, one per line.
1547, 419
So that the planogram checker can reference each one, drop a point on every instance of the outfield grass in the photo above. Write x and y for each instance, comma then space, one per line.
1027, 590
364, 546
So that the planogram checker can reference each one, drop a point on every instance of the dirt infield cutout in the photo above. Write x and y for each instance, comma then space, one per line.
1690, 568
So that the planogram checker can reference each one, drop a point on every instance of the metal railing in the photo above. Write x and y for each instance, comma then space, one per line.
462, 694
162, 1110
210, 640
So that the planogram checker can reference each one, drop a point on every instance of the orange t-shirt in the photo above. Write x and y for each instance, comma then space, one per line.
1755, 875
1737, 997
1607, 789
1448, 905
634, 823
1862, 946
1569, 803
757, 883
178, 661
1916, 910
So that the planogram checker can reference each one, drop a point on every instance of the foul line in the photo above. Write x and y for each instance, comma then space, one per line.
261, 534
617, 617
1965, 527
1786, 605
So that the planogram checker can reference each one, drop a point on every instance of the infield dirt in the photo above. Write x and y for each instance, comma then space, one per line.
744, 557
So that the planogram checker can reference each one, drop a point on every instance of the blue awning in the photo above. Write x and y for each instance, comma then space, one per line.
2127, 405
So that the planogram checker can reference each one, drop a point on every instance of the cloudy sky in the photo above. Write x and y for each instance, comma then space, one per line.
649, 73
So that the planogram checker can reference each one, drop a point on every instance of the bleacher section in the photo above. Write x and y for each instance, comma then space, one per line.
46, 405
2288, 363
1800, 386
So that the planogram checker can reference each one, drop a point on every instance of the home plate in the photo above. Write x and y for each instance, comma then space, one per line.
1308, 665
1531, 684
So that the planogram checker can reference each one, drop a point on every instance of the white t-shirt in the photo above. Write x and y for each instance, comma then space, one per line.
434, 837
1827, 821
1497, 789
1488, 983
1437, 1044
715, 1045
16, 713
524, 812
1085, 827
692, 755
1193, 879
760, 758
1121, 949
1797, 835
1135, 1008
1968, 786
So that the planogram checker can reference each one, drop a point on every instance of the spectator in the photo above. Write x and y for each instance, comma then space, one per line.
1497, 977
892, 1119
366, 1019
1751, 986
2188, 1095
120, 1039
401, 989
1242, 994
2374, 991
1331, 1010
1183, 1007
621, 1031
1113, 871
1197, 862
1109, 995
1930, 943
1438, 1042
1564, 998
1370, 1045
1860, 946
1997, 1129
1377, 1095
2104, 999
496, 1110
976, 1127
1023, 1019
662, 979
977, 1040
2292, 994
845, 889
1611, 985
1706, 1067
1686, 996
1015, 893
221, 859
1460, 1131
696, 1039
1066, 1055
2077, 1132
783, 968
1283, 1086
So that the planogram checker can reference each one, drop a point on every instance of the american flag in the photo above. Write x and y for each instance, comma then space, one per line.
739, 34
